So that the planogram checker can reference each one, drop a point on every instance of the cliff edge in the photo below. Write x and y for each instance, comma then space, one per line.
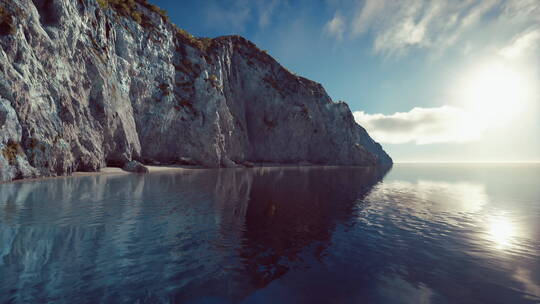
85, 84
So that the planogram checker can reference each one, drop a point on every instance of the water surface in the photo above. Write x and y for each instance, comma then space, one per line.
414, 234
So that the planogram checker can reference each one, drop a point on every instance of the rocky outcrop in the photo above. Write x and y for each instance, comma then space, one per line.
135, 167
86, 84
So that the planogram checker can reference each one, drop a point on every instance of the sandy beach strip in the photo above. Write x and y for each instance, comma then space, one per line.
108, 171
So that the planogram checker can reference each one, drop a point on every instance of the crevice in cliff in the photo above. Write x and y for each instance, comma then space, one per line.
7, 22
48, 12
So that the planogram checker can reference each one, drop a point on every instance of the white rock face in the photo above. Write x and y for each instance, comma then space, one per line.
82, 87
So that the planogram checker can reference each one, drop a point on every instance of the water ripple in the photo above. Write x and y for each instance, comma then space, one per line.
419, 234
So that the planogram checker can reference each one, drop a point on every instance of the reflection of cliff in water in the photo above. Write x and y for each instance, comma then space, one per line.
164, 234
290, 211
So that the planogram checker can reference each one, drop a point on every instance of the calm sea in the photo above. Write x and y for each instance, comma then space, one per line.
415, 233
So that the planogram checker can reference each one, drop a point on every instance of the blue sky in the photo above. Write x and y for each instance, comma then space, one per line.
444, 80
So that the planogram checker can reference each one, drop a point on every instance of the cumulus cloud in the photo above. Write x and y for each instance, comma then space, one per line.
336, 26
522, 45
422, 126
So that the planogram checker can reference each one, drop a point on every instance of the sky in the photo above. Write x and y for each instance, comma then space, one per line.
445, 80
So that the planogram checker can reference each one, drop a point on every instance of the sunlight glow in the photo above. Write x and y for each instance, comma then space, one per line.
496, 93
501, 232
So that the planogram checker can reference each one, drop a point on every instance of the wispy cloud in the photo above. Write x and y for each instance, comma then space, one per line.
522, 9
368, 16
396, 27
266, 9
237, 15
405, 24
230, 14
422, 126
336, 26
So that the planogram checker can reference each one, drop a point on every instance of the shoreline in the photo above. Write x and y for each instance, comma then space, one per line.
173, 168
106, 171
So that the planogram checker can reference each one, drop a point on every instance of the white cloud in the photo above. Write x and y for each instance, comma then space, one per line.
366, 17
336, 26
398, 26
423, 126
522, 44
522, 9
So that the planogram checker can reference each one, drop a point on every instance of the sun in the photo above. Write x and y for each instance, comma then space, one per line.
495, 92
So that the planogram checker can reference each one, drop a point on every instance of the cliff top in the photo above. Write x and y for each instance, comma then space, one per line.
143, 12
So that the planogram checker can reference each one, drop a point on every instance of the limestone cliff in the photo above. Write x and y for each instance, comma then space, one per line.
85, 84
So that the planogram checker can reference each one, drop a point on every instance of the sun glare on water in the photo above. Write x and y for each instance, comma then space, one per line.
501, 232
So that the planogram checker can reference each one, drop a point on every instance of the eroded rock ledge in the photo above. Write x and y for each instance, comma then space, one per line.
86, 84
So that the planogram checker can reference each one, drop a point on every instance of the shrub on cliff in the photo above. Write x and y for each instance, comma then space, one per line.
129, 8
201, 43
